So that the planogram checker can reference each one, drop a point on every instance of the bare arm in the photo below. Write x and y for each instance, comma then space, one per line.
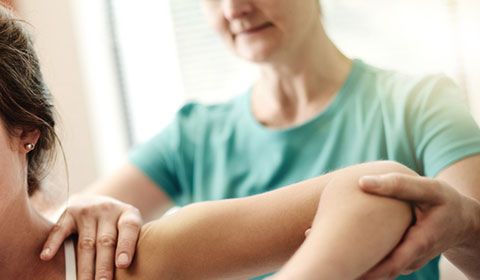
447, 211
106, 222
352, 232
465, 177
245, 237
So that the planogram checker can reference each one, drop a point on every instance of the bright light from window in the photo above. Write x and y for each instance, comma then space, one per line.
150, 64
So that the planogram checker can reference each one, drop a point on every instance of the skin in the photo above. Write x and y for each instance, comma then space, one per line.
350, 233
301, 71
21, 226
116, 194
448, 214
448, 221
245, 237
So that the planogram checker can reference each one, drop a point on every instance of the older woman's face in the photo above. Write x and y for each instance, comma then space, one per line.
263, 30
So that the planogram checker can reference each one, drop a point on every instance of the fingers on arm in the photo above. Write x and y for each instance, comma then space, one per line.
403, 187
62, 230
409, 256
129, 225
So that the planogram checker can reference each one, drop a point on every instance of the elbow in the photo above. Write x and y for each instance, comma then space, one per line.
386, 167
344, 187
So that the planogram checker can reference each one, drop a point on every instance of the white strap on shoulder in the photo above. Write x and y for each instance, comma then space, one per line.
70, 261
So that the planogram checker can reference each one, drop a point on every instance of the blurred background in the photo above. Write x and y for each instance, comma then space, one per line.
119, 70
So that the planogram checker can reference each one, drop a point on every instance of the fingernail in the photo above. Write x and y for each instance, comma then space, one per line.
369, 182
103, 278
45, 253
122, 259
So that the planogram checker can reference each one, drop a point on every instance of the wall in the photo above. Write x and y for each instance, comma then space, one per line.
79, 72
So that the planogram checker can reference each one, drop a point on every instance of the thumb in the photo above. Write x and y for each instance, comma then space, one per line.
402, 187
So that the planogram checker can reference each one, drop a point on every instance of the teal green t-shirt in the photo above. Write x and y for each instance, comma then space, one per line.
212, 152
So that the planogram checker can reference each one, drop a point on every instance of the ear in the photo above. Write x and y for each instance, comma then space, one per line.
28, 136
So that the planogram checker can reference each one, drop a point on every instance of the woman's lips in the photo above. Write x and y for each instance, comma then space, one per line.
255, 29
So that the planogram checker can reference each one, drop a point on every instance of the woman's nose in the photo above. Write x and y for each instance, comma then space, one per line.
234, 9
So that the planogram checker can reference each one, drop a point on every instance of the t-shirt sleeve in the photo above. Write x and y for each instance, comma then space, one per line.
444, 131
158, 157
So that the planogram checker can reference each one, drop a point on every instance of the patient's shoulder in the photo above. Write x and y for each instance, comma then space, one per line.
150, 260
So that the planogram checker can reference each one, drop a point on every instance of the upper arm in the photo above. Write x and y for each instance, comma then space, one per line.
132, 186
443, 129
464, 176
446, 136
234, 238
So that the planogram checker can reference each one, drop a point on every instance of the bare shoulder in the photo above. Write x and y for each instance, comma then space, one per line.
150, 260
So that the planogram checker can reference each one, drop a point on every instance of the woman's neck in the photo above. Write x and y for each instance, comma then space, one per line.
298, 86
23, 233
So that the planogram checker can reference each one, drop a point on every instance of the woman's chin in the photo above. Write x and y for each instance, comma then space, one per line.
259, 55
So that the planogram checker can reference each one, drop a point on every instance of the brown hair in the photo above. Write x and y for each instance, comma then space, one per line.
25, 101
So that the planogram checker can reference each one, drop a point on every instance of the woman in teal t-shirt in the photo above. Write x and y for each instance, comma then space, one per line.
313, 110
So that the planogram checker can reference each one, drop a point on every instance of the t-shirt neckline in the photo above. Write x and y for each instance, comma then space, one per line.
331, 109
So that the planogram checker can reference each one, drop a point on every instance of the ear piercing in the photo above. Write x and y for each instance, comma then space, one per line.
29, 146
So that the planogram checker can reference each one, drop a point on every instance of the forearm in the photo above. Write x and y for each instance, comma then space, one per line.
466, 256
129, 185
464, 177
352, 232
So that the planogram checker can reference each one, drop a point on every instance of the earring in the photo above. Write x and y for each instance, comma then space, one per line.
29, 146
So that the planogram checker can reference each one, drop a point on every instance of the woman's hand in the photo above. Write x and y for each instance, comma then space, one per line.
107, 230
443, 220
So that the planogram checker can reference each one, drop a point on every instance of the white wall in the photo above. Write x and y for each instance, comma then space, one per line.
417, 37
469, 23
150, 64
96, 54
